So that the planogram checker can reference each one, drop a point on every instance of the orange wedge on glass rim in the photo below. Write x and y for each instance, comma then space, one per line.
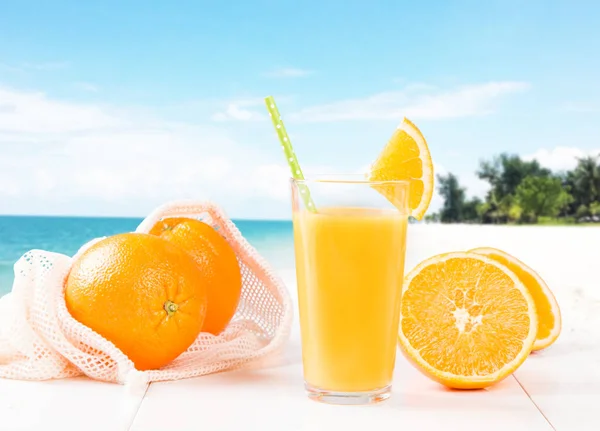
466, 320
406, 157
548, 311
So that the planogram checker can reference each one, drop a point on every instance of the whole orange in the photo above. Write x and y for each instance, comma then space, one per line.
216, 258
144, 294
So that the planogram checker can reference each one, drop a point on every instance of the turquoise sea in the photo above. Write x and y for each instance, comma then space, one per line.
19, 234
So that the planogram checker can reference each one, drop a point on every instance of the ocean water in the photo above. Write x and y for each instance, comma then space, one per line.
19, 234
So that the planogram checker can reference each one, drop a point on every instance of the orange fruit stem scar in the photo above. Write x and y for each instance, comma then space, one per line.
171, 308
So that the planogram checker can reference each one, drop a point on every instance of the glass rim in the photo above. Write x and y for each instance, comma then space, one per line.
345, 179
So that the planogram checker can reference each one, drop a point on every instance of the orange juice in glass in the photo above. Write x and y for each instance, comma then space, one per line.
349, 267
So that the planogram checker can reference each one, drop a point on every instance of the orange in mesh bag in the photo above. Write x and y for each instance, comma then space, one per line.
40, 340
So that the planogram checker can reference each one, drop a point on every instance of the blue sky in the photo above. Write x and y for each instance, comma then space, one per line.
112, 108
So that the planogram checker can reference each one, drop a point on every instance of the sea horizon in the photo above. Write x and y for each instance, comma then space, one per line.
127, 217
272, 238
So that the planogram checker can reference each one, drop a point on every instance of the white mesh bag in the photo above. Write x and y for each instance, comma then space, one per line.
40, 340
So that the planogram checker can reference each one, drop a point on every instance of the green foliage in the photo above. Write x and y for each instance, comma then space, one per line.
454, 198
554, 221
483, 209
584, 183
515, 212
432, 218
541, 196
470, 212
582, 211
505, 172
456, 207
524, 192
509, 209
586, 179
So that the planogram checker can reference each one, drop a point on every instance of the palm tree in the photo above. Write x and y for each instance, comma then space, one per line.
585, 180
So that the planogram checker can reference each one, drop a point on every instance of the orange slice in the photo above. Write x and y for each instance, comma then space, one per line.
548, 312
406, 157
466, 321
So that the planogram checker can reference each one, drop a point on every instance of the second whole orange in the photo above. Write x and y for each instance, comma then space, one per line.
216, 258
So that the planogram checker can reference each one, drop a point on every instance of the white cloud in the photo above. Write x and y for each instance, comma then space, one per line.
9, 186
289, 72
420, 102
250, 109
270, 180
439, 169
86, 86
34, 112
560, 158
71, 158
237, 113
475, 186
65, 157
240, 110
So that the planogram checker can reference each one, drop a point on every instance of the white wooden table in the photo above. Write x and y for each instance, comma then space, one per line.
558, 389
541, 396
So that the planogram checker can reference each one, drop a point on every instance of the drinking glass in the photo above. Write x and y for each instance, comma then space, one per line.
350, 266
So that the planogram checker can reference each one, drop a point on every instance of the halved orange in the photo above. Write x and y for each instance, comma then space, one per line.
406, 157
466, 321
548, 312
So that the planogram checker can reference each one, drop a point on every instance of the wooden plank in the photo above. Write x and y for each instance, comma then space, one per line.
274, 398
564, 380
565, 389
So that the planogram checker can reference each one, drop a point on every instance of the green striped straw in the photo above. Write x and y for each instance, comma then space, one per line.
290, 156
